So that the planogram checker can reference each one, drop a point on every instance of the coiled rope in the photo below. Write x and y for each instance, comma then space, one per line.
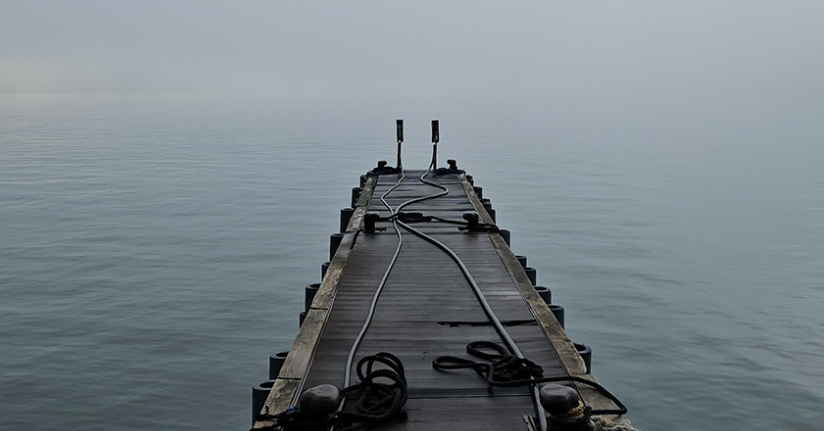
506, 370
500, 329
512, 369
377, 402
393, 213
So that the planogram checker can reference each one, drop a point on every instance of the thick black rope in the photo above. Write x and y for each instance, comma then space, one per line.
507, 370
376, 402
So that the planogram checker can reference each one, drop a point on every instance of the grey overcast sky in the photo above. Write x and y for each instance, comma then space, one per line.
741, 49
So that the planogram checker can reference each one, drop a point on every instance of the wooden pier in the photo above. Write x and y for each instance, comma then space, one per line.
427, 309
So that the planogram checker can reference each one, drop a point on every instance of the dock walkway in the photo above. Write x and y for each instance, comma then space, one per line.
426, 310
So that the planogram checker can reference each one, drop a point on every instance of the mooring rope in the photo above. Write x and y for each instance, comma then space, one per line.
499, 327
377, 402
393, 214
505, 370
502, 332
488, 371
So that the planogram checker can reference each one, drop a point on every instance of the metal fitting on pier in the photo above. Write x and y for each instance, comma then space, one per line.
369, 220
319, 403
399, 128
566, 411
436, 137
356, 194
473, 221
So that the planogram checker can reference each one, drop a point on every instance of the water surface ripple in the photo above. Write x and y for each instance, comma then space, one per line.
154, 250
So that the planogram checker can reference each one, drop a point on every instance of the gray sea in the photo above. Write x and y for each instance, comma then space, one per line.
154, 249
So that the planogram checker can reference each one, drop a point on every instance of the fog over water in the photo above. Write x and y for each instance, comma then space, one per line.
170, 174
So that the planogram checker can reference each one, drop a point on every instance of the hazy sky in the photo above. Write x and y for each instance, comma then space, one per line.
745, 50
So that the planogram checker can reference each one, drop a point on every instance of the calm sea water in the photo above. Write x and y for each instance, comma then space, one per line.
154, 249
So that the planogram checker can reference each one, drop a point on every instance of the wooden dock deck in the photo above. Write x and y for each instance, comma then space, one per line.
427, 309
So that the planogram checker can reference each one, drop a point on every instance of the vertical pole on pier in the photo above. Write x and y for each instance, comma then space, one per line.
436, 137
399, 124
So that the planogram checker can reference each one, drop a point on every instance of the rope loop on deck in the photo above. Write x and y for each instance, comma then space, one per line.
376, 402
507, 370
378, 398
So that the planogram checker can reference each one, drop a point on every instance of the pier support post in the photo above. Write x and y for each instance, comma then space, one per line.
545, 294
323, 269
507, 235
532, 273
586, 354
259, 394
276, 363
558, 312
311, 291
345, 217
334, 242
